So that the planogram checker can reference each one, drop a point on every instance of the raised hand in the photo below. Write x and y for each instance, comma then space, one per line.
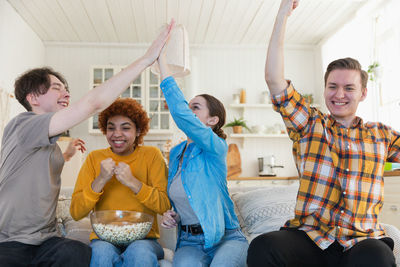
162, 64
154, 50
170, 219
74, 145
124, 175
287, 6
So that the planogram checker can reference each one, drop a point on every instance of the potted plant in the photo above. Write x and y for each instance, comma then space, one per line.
237, 125
374, 71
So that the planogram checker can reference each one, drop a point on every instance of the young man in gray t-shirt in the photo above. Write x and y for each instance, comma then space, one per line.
31, 162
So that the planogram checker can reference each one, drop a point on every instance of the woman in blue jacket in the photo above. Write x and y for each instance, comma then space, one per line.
209, 231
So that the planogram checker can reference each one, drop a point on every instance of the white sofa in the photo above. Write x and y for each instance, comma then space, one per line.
259, 209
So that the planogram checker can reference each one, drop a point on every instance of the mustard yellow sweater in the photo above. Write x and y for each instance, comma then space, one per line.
147, 165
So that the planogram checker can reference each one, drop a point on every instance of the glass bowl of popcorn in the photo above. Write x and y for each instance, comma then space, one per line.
121, 227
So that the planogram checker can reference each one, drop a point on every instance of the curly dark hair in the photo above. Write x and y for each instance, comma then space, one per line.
131, 109
36, 81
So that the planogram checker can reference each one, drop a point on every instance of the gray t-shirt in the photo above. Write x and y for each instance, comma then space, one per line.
179, 198
30, 168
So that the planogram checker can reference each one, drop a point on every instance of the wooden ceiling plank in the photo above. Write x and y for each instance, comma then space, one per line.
62, 18
48, 20
204, 20
335, 22
141, 27
300, 15
264, 38
98, 13
298, 26
124, 24
183, 14
150, 20
207, 21
240, 11
215, 20
325, 13
160, 12
263, 22
37, 24
194, 15
172, 9
250, 18
226, 21
76, 15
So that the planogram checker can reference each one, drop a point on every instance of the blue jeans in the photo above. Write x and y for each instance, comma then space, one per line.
144, 253
231, 251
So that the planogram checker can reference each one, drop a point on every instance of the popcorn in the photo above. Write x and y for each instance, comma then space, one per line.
122, 235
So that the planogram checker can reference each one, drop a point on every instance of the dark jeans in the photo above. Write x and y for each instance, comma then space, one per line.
290, 247
55, 251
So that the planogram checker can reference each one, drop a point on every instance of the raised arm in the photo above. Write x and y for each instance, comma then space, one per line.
274, 65
184, 118
103, 95
162, 64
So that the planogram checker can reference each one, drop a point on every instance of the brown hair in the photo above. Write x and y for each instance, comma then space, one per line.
216, 108
35, 81
347, 63
131, 109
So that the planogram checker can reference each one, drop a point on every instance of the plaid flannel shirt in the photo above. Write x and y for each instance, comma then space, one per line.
340, 169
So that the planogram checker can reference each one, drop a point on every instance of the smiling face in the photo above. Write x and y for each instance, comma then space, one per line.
121, 134
343, 92
55, 99
199, 107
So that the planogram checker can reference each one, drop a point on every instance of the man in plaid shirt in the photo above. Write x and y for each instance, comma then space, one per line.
340, 160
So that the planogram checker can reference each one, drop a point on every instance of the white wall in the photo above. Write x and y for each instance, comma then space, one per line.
20, 49
359, 40
354, 40
220, 71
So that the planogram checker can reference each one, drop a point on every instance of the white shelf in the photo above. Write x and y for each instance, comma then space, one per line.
250, 105
251, 135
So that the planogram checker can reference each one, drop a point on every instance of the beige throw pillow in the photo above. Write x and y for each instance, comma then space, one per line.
266, 209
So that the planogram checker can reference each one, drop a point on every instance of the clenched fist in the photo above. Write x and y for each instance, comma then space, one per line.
107, 169
124, 175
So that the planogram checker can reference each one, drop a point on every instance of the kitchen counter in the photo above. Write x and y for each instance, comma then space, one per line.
391, 173
263, 178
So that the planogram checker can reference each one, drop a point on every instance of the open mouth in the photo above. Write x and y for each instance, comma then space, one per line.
339, 103
118, 143
63, 103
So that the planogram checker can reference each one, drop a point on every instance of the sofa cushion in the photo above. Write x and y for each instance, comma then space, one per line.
69, 228
78, 230
62, 212
266, 209
394, 233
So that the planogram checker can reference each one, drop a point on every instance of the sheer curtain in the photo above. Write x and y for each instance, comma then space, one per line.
387, 54
373, 36
5, 101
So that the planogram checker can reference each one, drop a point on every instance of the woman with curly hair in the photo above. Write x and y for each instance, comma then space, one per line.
125, 176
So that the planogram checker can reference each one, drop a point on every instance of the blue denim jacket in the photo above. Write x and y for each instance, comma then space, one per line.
203, 168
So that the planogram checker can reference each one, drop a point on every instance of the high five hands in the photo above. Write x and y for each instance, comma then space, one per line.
154, 50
